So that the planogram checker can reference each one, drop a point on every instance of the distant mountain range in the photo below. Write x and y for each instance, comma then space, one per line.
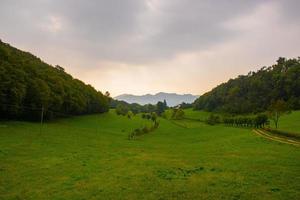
172, 99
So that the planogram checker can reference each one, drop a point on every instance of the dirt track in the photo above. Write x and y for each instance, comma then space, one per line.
269, 136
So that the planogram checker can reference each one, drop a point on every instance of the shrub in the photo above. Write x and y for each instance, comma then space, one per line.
130, 114
144, 130
213, 119
177, 113
122, 109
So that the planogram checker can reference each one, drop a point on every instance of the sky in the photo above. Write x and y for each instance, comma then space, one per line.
150, 46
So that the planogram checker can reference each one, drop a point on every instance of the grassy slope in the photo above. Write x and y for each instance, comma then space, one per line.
198, 115
91, 158
289, 122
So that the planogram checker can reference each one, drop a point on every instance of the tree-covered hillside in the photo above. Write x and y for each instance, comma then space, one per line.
255, 91
28, 85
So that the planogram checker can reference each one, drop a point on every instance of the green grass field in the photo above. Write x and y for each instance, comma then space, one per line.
196, 115
90, 157
289, 122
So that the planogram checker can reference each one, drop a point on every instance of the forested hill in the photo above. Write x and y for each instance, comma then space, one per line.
254, 92
28, 85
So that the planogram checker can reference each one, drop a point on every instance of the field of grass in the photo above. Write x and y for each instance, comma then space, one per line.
196, 115
289, 122
90, 157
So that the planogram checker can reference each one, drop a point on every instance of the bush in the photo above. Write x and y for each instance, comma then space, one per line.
177, 113
153, 116
213, 119
144, 130
130, 114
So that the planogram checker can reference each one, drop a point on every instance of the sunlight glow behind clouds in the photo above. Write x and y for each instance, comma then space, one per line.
53, 24
135, 46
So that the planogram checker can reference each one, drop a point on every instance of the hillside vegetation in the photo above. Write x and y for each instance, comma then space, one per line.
29, 85
254, 92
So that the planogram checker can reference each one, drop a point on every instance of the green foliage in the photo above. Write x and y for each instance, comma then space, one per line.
276, 110
143, 130
28, 84
177, 113
130, 114
161, 107
184, 105
254, 92
122, 109
289, 122
150, 116
213, 119
134, 107
153, 116
258, 121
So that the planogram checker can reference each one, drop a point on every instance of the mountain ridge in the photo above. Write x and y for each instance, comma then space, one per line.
172, 99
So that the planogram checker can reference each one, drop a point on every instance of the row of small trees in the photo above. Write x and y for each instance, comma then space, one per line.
144, 130
150, 116
274, 112
257, 121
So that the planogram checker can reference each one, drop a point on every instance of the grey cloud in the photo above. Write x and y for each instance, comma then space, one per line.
116, 30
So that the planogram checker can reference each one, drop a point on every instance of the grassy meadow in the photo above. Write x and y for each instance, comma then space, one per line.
289, 122
90, 157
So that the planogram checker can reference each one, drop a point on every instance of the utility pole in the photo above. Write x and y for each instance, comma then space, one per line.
42, 118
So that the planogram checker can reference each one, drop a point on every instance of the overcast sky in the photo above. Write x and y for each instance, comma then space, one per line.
149, 46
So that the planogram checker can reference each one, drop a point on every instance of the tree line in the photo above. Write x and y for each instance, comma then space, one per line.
29, 86
257, 121
123, 108
254, 93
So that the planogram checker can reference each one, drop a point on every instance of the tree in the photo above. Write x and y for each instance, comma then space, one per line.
256, 90
213, 119
177, 113
153, 116
165, 104
130, 114
122, 109
107, 94
160, 108
59, 68
276, 110
28, 84
261, 120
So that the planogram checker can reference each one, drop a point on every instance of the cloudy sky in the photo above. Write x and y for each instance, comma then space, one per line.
148, 46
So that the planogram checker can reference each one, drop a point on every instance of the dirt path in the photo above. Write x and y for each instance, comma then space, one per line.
276, 138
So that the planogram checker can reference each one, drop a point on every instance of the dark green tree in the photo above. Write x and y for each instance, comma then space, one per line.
160, 108
276, 110
29, 85
254, 92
